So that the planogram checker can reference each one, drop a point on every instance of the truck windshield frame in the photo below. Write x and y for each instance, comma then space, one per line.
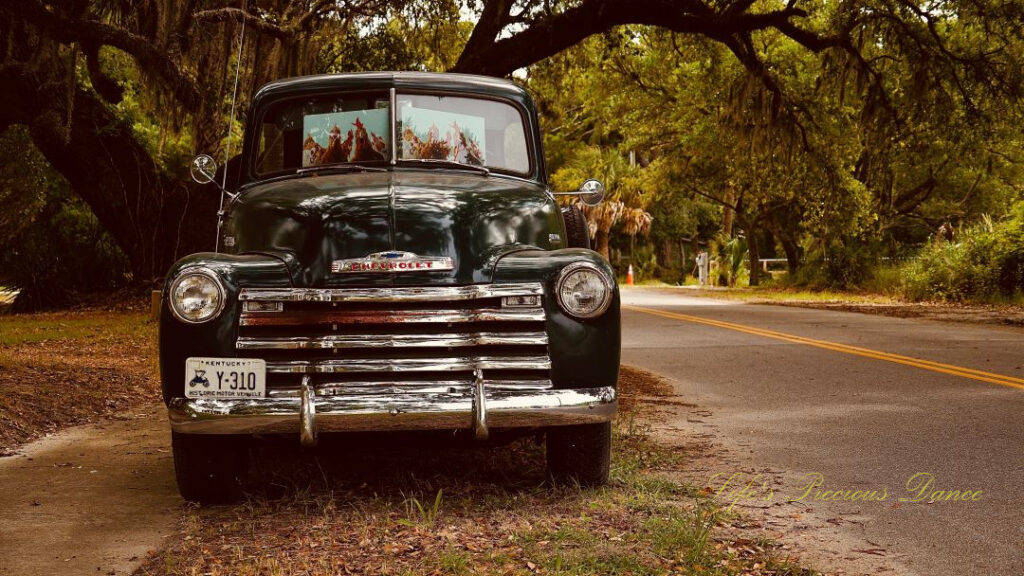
360, 127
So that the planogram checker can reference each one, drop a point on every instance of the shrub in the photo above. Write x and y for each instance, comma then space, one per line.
64, 252
984, 263
848, 264
51, 245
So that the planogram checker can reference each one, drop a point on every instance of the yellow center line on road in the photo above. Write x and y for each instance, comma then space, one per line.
980, 375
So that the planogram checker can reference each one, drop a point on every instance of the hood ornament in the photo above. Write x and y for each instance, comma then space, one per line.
393, 261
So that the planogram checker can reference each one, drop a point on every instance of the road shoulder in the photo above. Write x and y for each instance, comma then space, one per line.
825, 539
990, 315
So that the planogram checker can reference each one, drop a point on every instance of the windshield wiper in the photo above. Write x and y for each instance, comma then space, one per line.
340, 166
448, 164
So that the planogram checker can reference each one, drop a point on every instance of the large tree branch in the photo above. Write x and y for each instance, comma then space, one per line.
239, 15
487, 54
316, 11
66, 29
735, 207
493, 18
292, 22
908, 200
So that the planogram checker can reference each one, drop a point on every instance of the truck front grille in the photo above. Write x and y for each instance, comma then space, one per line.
398, 340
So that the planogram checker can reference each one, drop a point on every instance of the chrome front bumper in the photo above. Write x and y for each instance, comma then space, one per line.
308, 414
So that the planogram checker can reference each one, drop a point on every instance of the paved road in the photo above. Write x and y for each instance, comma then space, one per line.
797, 391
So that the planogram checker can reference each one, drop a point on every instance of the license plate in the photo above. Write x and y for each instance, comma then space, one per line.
225, 378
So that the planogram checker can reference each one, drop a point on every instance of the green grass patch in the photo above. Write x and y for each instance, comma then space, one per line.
18, 329
455, 562
587, 563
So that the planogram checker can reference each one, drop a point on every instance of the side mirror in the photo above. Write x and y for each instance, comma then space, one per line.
592, 192
203, 169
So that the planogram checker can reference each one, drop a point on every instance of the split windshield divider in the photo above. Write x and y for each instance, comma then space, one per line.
394, 126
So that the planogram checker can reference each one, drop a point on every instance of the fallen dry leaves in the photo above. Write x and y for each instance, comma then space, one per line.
430, 505
65, 369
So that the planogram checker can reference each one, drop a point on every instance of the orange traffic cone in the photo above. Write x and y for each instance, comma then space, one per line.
629, 276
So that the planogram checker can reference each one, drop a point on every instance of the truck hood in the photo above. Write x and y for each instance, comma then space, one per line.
312, 221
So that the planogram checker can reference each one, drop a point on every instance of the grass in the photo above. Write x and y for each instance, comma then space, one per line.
407, 505
81, 326
418, 515
885, 288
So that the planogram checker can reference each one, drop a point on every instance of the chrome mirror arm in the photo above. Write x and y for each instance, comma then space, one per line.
590, 193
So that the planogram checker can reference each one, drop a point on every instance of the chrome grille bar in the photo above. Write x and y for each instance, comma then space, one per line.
414, 387
392, 294
398, 340
393, 341
392, 317
411, 365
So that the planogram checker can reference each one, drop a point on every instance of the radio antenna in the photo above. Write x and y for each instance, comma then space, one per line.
231, 121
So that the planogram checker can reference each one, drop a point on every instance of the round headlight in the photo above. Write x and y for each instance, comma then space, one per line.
583, 290
196, 296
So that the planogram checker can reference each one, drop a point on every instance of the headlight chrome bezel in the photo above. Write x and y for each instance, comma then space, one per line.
197, 271
571, 269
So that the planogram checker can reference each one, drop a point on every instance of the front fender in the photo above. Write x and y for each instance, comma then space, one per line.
584, 353
179, 341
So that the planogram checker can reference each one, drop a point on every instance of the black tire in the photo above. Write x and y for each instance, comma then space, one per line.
209, 468
577, 235
580, 454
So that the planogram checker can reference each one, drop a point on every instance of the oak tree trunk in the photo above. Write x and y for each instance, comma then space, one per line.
153, 217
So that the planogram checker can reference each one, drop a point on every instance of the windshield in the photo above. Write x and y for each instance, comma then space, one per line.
354, 128
472, 131
300, 133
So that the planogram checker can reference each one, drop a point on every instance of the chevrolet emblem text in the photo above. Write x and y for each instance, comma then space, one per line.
392, 262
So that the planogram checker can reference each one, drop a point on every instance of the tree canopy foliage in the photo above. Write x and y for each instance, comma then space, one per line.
865, 148
804, 126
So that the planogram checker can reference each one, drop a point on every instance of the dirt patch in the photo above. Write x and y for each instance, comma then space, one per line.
637, 387
647, 397
64, 369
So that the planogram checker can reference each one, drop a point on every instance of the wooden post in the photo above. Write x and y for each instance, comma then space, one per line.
154, 305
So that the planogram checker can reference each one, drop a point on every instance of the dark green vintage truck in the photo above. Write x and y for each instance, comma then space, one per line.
392, 260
